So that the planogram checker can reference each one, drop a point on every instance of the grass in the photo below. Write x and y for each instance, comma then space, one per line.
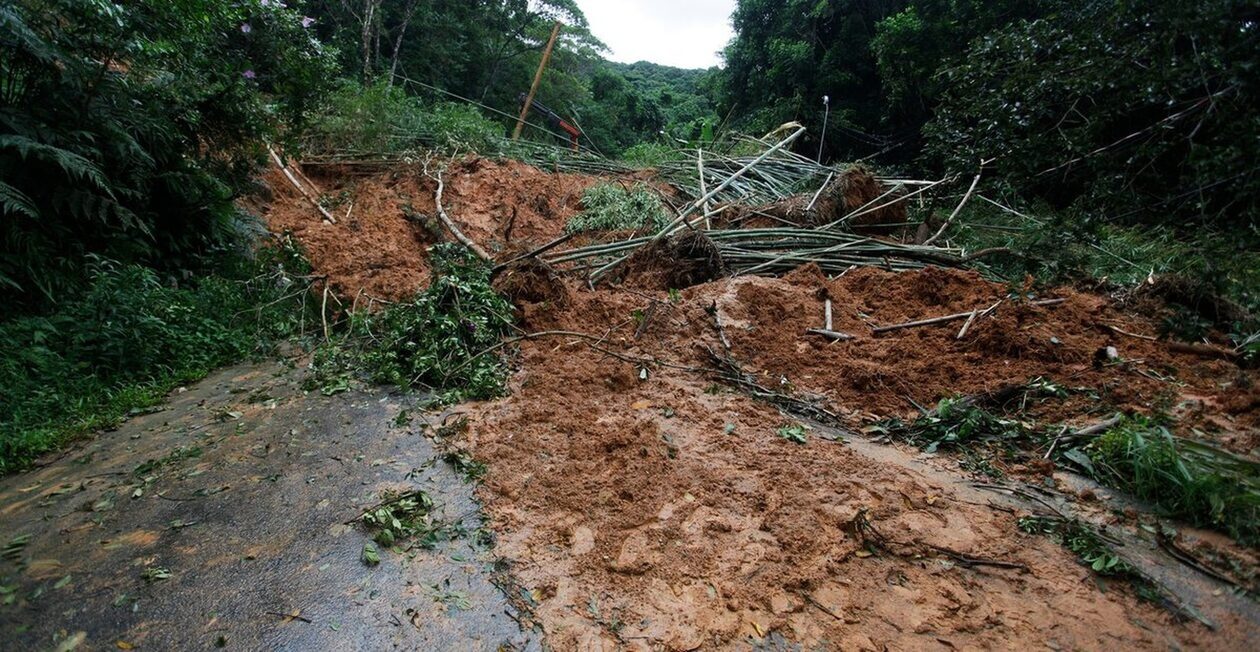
1180, 478
1183, 479
611, 207
123, 344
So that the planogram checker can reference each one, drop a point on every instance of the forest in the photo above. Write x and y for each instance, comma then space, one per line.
1092, 168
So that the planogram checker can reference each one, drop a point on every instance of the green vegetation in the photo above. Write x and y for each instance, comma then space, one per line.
1088, 544
126, 130
130, 337
793, 432
1181, 478
1126, 127
379, 118
442, 339
400, 516
613, 207
488, 51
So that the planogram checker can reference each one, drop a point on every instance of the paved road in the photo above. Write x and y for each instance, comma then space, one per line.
221, 522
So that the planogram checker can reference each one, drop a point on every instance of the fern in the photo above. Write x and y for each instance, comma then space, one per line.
74, 166
14, 201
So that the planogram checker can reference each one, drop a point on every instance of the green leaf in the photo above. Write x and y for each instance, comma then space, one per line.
370, 556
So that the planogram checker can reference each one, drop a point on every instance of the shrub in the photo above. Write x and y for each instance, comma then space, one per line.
130, 337
611, 207
380, 118
442, 339
1182, 478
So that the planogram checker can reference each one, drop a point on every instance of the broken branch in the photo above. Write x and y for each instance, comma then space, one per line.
949, 318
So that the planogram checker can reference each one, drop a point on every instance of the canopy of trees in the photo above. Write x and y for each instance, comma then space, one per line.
124, 129
1126, 110
127, 129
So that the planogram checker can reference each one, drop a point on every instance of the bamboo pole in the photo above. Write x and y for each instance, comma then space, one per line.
533, 88
948, 318
293, 180
703, 191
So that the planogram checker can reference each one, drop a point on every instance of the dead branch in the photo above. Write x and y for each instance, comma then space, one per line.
1201, 350
830, 334
296, 184
955, 317
532, 254
958, 209
450, 224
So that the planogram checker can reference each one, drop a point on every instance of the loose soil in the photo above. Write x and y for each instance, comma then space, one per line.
645, 504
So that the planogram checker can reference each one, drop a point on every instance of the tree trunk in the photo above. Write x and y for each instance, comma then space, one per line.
402, 31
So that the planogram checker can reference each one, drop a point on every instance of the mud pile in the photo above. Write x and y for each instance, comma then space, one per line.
385, 219
645, 503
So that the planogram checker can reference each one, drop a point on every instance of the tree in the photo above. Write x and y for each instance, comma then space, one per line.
125, 130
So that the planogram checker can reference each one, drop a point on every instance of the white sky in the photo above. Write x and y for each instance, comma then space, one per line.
681, 33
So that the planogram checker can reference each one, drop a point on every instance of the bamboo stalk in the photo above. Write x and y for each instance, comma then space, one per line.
293, 180
957, 209
949, 318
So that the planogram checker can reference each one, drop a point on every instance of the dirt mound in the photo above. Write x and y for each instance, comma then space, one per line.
857, 187
385, 218
677, 262
854, 188
646, 505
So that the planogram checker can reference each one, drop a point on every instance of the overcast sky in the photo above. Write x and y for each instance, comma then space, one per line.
682, 33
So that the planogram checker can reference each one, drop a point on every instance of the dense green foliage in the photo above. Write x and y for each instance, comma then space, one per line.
126, 129
122, 343
1132, 111
613, 207
1126, 113
442, 339
380, 118
488, 50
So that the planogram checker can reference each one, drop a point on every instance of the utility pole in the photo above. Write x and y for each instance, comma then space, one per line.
533, 88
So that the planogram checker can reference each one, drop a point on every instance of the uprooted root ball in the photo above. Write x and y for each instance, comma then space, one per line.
854, 188
531, 281
677, 262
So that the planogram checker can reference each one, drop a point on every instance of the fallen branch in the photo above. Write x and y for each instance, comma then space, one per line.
536, 252
727, 369
450, 224
293, 180
949, 318
830, 334
1091, 431
1201, 350
969, 561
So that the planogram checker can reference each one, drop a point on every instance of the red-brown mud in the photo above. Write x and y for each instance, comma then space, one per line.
647, 505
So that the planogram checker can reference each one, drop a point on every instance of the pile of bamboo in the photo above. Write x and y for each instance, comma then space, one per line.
774, 251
